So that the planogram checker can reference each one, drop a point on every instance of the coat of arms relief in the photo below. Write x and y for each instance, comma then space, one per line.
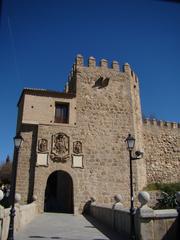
42, 145
60, 147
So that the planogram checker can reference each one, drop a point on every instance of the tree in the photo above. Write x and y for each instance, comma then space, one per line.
5, 171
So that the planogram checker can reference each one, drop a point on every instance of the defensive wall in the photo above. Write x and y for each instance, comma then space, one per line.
162, 150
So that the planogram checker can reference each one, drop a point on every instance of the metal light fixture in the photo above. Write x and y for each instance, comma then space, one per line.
130, 146
17, 141
130, 142
17, 144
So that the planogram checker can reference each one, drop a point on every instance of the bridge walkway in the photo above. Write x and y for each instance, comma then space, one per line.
65, 227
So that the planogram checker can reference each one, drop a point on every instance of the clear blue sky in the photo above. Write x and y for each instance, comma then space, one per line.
39, 40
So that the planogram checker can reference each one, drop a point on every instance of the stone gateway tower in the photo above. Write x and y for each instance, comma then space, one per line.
74, 142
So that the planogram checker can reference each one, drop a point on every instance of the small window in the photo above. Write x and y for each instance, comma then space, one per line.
62, 113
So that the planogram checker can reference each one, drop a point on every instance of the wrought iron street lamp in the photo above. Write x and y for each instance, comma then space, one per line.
17, 144
130, 146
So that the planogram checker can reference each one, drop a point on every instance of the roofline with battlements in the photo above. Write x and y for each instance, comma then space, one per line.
160, 123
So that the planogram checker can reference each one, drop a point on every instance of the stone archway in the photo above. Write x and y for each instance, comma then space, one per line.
59, 193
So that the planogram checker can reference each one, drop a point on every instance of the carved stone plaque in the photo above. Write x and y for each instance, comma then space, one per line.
42, 145
77, 161
77, 147
42, 159
60, 147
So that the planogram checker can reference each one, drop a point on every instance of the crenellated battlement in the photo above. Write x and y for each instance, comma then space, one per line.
79, 62
160, 123
103, 65
91, 63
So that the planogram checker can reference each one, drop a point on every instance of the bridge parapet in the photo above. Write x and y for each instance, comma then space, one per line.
149, 223
24, 215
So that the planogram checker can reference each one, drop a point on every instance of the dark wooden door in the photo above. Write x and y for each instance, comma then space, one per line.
59, 193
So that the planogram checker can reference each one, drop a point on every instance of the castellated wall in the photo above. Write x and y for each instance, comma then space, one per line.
162, 151
105, 109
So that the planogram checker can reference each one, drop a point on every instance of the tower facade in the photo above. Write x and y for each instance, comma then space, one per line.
74, 142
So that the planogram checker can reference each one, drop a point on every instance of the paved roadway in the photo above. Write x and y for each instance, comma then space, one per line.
65, 227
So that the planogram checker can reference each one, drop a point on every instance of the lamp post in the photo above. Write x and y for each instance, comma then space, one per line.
17, 143
130, 146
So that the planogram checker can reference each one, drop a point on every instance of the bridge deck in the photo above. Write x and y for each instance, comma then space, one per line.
65, 227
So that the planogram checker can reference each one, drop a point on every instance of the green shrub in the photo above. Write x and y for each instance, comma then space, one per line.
167, 201
168, 191
164, 187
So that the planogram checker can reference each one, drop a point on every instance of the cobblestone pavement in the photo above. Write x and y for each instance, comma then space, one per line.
65, 227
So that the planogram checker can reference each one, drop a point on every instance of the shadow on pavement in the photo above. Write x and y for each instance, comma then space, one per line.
62, 238
35, 237
108, 232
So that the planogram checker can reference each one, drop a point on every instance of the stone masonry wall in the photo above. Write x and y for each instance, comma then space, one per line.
139, 166
162, 151
42, 172
26, 163
103, 121
105, 109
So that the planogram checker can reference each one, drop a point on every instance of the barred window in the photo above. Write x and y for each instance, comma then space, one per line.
62, 112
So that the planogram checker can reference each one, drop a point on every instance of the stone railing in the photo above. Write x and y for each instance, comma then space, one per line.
149, 224
157, 224
24, 214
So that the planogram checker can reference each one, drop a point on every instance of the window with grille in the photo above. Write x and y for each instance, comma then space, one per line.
62, 113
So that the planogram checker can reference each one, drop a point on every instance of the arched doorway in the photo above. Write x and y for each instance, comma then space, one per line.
59, 193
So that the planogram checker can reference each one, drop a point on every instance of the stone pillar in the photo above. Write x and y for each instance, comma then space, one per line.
144, 225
